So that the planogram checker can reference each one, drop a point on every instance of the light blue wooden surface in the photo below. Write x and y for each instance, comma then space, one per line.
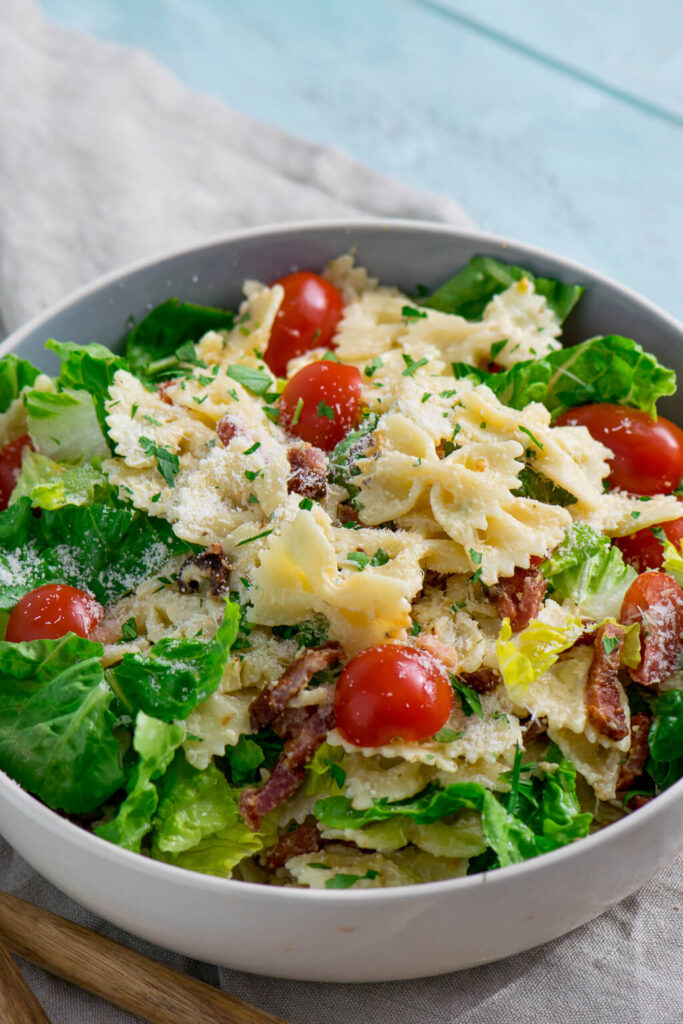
559, 124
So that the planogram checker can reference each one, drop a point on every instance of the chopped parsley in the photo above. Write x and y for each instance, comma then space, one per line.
528, 433
361, 560
129, 630
497, 348
412, 364
254, 448
168, 464
375, 364
297, 411
610, 643
410, 313
469, 699
325, 410
447, 736
306, 504
343, 881
257, 536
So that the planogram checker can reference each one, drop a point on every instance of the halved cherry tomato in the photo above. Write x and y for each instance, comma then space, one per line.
645, 551
648, 454
51, 611
307, 318
389, 691
655, 601
320, 403
11, 457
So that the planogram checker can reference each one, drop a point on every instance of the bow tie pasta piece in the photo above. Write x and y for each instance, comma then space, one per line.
298, 575
251, 332
524, 324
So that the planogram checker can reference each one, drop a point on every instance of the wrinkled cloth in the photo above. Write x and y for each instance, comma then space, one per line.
106, 158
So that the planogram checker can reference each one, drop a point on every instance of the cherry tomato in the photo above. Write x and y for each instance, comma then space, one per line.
645, 551
655, 601
391, 690
51, 611
320, 403
648, 454
307, 318
11, 457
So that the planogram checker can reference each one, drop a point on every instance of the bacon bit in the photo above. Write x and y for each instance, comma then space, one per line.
484, 680
532, 728
312, 725
210, 564
229, 427
519, 597
304, 839
308, 475
444, 653
603, 700
265, 708
639, 751
162, 391
346, 513
435, 579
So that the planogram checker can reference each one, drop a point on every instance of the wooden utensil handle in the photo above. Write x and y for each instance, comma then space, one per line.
116, 973
18, 1004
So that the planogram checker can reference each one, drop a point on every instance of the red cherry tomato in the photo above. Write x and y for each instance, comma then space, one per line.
648, 454
645, 551
320, 403
51, 611
391, 690
307, 318
655, 601
11, 457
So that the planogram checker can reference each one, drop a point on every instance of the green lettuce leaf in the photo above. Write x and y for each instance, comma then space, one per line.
469, 292
51, 485
673, 561
15, 375
218, 854
64, 425
177, 674
665, 764
88, 368
56, 735
107, 551
164, 330
243, 760
609, 369
155, 743
587, 568
193, 805
526, 655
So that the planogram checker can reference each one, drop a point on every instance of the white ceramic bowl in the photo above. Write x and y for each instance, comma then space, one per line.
376, 934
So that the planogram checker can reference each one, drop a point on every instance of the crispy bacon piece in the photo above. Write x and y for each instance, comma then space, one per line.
307, 727
210, 564
603, 700
308, 475
229, 427
634, 765
519, 597
484, 680
348, 514
162, 391
273, 700
532, 728
304, 839
435, 579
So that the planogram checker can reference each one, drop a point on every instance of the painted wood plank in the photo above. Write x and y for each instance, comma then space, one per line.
528, 151
630, 47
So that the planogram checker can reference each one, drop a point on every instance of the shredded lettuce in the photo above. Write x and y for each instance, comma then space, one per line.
531, 652
469, 292
587, 568
56, 723
155, 744
608, 369
177, 674
107, 551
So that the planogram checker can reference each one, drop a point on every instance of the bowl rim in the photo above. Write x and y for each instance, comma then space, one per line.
62, 827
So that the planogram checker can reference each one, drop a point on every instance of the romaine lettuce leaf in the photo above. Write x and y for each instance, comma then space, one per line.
164, 330
15, 375
177, 674
88, 368
587, 568
104, 550
51, 485
469, 292
218, 854
665, 763
64, 425
531, 652
673, 561
609, 369
193, 805
155, 743
56, 735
